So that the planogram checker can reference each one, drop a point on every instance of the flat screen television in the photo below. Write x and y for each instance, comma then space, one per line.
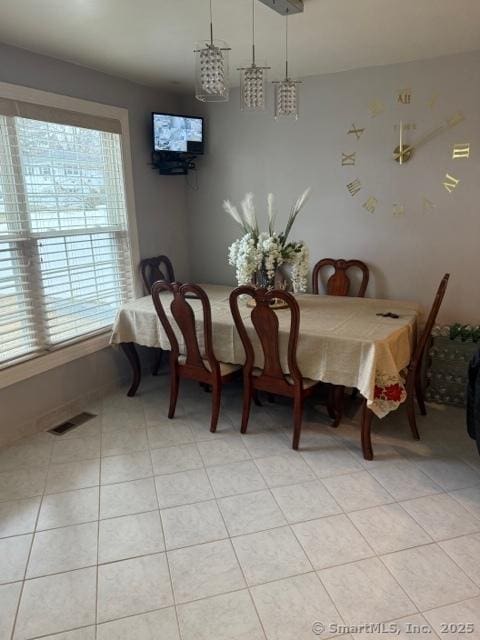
177, 134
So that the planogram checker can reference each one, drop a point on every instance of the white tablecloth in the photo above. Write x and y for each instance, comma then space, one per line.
342, 340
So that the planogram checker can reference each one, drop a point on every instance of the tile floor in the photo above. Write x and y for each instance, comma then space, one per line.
134, 527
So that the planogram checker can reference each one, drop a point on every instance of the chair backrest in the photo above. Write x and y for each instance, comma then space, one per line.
427, 330
266, 325
184, 316
153, 269
338, 283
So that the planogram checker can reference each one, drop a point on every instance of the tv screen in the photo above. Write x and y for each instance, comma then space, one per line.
178, 134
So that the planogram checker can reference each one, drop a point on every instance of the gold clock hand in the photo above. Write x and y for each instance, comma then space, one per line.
401, 143
448, 124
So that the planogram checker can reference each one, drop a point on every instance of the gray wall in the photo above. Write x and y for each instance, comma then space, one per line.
161, 218
407, 255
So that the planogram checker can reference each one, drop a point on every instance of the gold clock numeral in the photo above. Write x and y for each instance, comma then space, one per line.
428, 206
376, 108
354, 187
404, 96
358, 132
370, 205
450, 183
455, 119
461, 150
398, 210
348, 159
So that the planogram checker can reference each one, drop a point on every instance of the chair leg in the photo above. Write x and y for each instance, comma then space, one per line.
367, 416
256, 399
410, 405
335, 400
297, 420
271, 397
174, 385
419, 395
216, 397
247, 401
158, 363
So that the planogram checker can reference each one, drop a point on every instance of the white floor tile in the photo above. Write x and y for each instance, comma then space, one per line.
223, 449
130, 536
357, 491
204, 570
389, 528
22, 483
465, 551
430, 577
404, 481
129, 466
63, 549
126, 440
27, 453
469, 498
409, 628
126, 498
75, 449
9, 596
155, 625
305, 501
442, 516
133, 586
251, 512
71, 507
13, 557
450, 473
56, 603
73, 475
192, 524
284, 470
18, 517
173, 459
270, 555
185, 487
85, 633
331, 541
230, 616
171, 433
456, 621
235, 478
331, 461
289, 608
365, 592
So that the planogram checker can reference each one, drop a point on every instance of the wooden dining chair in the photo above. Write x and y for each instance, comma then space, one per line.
413, 382
153, 269
338, 284
271, 378
193, 364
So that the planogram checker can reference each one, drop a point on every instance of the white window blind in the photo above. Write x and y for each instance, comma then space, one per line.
65, 264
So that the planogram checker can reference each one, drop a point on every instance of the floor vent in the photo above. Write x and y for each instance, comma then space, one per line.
74, 422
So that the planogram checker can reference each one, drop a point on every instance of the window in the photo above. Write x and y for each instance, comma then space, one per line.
65, 264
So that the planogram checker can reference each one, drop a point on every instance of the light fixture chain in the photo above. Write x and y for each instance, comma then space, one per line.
211, 24
286, 46
253, 31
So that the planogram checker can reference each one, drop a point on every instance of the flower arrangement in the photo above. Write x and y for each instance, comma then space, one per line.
257, 255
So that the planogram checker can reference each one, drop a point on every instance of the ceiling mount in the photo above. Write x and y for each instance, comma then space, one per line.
285, 7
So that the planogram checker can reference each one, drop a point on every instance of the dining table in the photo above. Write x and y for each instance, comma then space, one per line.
362, 343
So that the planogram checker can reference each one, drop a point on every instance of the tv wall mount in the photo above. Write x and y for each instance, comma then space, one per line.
170, 164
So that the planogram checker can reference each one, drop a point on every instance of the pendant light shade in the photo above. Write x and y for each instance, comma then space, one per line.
253, 80
286, 90
211, 69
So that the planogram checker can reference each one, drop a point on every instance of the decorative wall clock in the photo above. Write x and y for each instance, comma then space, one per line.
406, 132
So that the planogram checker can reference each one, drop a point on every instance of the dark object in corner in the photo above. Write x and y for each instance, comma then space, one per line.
473, 399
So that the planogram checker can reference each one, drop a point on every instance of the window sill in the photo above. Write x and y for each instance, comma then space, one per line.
41, 364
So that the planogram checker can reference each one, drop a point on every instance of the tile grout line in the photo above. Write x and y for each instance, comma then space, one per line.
164, 538
20, 597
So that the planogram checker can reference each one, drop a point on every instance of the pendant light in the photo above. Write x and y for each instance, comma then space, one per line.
286, 92
211, 69
253, 80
